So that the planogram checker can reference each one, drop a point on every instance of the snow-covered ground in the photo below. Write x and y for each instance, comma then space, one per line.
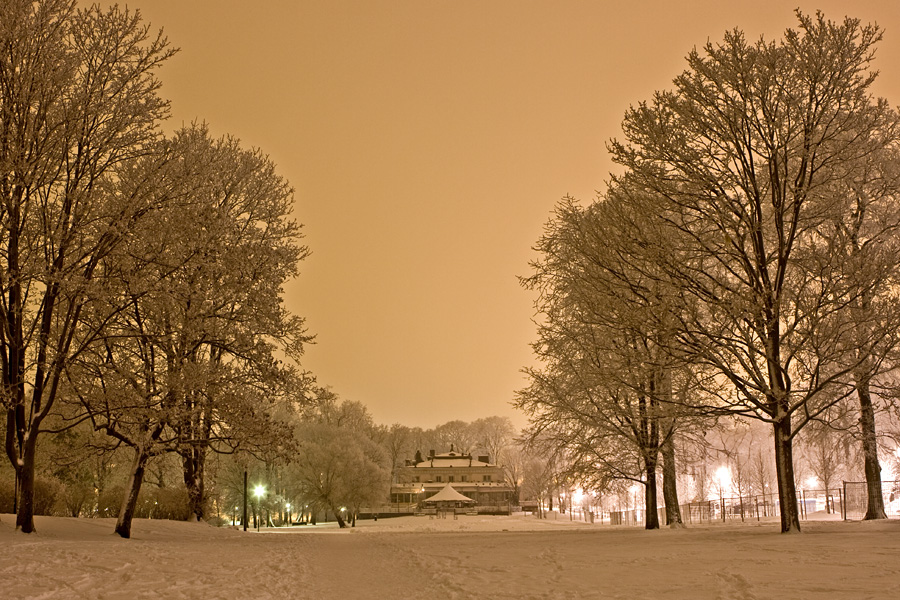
518, 557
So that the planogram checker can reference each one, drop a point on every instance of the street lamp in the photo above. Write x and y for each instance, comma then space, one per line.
634, 491
258, 492
723, 474
287, 506
578, 500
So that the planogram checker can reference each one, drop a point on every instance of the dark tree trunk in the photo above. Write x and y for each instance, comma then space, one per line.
338, 517
670, 485
651, 515
875, 505
25, 496
784, 470
129, 502
193, 460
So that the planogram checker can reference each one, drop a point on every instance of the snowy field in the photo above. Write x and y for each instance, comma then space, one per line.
517, 557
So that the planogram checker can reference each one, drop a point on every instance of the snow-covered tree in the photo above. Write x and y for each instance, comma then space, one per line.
607, 388
78, 103
189, 366
338, 466
731, 177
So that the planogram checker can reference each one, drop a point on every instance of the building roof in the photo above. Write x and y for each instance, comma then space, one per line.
448, 494
451, 459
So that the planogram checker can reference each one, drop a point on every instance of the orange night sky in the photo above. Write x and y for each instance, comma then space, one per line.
428, 141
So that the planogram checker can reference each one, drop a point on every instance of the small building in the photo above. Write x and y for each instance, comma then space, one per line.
448, 498
475, 478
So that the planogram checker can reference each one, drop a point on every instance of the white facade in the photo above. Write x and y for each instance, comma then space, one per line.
475, 478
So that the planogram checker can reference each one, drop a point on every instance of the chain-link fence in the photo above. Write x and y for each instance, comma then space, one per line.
849, 502
856, 499
812, 504
759, 506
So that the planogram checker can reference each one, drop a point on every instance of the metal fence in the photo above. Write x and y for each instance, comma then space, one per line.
856, 495
760, 506
754, 507
848, 502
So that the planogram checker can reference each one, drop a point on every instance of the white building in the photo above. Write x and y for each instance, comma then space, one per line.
475, 478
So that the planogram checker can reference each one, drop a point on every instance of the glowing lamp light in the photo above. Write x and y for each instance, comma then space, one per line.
723, 475
259, 491
578, 496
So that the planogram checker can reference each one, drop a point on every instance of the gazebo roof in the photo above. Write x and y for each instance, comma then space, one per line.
448, 494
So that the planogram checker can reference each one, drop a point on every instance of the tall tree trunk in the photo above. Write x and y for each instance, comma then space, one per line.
651, 514
670, 484
338, 517
25, 498
194, 459
875, 505
784, 469
129, 502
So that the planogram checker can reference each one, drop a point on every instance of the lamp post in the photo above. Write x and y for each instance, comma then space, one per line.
811, 484
723, 475
258, 492
287, 507
722, 503
634, 491
244, 519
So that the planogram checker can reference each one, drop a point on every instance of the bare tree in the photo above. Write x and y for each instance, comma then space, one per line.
513, 459
607, 387
732, 174
189, 364
823, 456
397, 440
493, 435
78, 103
458, 434
539, 472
